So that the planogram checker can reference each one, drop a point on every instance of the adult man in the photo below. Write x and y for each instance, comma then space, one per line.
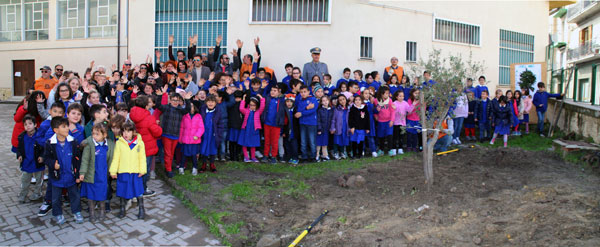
247, 64
393, 69
199, 71
46, 82
58, 71
315, 67
192, 40
223, 64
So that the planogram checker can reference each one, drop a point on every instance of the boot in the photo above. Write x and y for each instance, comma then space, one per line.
142, 211
102, 211
203, 168
122, 203
91, 208
213, 168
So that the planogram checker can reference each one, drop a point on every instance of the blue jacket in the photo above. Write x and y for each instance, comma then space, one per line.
40, 134
483, 111
337, 85
309, 116
480, 89
502, 115
38, 151
219, 123
67, 173
338, 120
324, 117
291, 129
279, 114
78, 133
541, 98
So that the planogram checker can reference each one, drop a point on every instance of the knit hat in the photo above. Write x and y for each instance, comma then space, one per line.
290, 96
317, 87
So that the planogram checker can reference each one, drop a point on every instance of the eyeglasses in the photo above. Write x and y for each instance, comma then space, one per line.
197, 60
45, 71
143, 68
226, 58
58, 69
295, 73
127, 64
64, 90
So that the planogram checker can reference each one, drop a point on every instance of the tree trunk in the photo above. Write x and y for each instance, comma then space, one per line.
427, 149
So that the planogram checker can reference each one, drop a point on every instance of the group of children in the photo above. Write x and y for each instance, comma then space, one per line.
83, 149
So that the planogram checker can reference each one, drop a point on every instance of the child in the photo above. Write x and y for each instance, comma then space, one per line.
273, 118
29, 154
99, 115
345, 78
213, 125
328, 85
122, 109
368, 100
307, 115
413, 121
470, 120
234, 122
481, 87
97, 155
128, 166
250, 135
402, 109
393, 84
469, 87
540, 101
527, 103
61, 156
461, 111
171, 124
291, 131
385, 115
150, 131
358, 122
339, 128
74, 113
501, 120
483, 117
324, 116
190, 136
515, 103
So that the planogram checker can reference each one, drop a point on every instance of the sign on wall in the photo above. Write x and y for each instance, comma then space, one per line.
536, 69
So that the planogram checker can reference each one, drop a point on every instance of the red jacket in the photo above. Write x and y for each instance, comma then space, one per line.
147, 127
19, 127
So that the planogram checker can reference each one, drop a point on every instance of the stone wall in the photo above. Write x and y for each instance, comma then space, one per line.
580, 118
5, 93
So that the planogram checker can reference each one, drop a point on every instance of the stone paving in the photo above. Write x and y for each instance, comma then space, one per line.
167, 221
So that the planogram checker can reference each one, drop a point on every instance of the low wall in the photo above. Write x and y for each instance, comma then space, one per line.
580, 118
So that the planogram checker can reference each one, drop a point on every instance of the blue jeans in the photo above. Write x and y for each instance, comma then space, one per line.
291, 149
371, 143
146, 176
308, 134
223, 145
443, 143
73, 193
540, 125
484, 130
458, 124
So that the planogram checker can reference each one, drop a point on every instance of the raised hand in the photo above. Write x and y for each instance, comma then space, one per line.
256, 56
113, 67
113, 92
195, 39
239, 43
211, 50
171, 39
92, 64
136, 89
188, 95
211, 76
39, 99
256, 41
155, 75
157, 53
219, 39
234, 53
78, 97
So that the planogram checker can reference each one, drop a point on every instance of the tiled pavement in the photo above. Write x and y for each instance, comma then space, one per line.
167, 221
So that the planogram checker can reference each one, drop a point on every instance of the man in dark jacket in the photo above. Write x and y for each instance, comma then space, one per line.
223, 64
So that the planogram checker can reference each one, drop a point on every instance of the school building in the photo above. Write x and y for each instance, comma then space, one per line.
359, 34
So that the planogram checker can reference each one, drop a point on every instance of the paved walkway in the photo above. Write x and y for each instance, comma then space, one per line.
167, 221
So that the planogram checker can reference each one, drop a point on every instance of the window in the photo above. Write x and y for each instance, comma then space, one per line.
183, 19
411, 51
87, 18
12, 14
290, 11
366, 47
514, 48
446, 30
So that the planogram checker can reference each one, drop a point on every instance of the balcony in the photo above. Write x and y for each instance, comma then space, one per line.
581, 10
587, 51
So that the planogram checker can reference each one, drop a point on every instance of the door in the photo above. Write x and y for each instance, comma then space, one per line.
23, 76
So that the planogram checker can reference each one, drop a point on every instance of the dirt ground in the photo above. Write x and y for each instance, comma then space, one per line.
487, 197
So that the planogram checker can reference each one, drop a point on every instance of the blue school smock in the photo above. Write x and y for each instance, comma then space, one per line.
412, 123
328, 89
208, 146
29, 162
393, 89
191, 149
78, 133
372, 126
502, 127
98, 190
64, 156
233, 135
358, 136
250, 137
271, 116
343, 139
384, 129
129, 185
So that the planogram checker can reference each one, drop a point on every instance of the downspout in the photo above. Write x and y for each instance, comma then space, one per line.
119, 35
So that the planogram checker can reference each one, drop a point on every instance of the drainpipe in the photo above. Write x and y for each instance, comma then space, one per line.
575, 86
118, 35
562, 80
593, 99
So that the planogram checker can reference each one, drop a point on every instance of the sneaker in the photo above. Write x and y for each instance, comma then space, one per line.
454, 141
181, 171
294, 162
399, 151
33, 180
392, 152
458, 141
60, 219
128, 205
152, 175
273, 161
318, 159
149, 193
44, 209
374, 154
380, 153
258, 154
505, 144
45, 177
194, 171
170, 174
325, 158
492, 142
336, 156
344, 156
78, 218
255, 160
542, 135
246, 160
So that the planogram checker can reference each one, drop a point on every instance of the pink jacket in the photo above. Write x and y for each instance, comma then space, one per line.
413, 115
402, 109
527, 103
386, 113
246, 111
190, 127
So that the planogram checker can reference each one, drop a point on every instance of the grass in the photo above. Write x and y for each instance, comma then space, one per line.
342, 219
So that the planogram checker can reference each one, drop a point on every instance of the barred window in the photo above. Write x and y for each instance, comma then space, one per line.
35, 26
366, 47
452, 31
514, 48
411, 51
71, 19
101, 16
290, 11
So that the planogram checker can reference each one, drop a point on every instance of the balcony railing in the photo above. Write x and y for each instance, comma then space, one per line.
579, 7
587, 49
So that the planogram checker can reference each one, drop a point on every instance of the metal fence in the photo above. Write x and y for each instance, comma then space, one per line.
290, 11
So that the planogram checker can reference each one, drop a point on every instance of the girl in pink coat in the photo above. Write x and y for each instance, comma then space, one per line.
527, 103
250, 135
402, 109
190, 135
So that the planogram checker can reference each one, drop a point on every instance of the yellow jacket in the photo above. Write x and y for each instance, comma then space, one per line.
127, 160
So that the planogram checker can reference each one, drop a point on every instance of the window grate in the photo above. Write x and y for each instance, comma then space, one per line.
514, 48
411, 51
366, 47
453, 31
12, 15
290, 11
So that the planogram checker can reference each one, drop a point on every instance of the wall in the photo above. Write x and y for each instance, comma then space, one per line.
73, 54
390, 28
579, 118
